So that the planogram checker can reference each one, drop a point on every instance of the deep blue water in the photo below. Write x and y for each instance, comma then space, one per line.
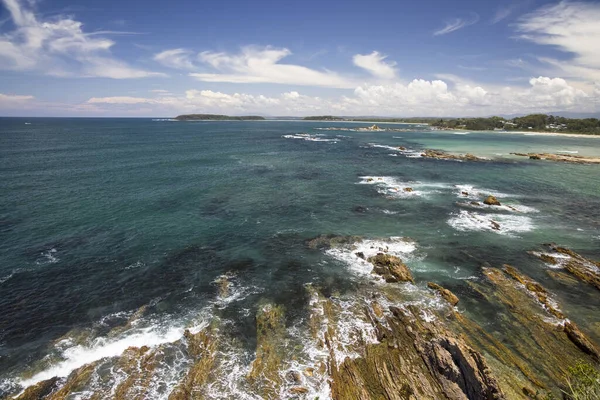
102, 216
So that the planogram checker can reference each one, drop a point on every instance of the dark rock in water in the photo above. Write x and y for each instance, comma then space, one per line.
40, 390
293, 377
409, 190
391, 268
465, 193
325, 242
360, 209
535, 157
580, 340
475, 203
495, 225
582, 268
402, 148
491, 201
360, 254
445, 293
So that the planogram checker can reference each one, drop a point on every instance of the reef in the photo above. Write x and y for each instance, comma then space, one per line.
442, 155
569, 158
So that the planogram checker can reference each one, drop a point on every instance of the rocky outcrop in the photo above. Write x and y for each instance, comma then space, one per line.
442, 155
40, 390
582, 268
445, 293
390, 268
570, 158
581, 340
491, 201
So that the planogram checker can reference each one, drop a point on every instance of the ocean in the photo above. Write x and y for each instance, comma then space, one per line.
118, 232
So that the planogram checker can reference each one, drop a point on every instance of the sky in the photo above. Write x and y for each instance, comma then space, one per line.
396, 58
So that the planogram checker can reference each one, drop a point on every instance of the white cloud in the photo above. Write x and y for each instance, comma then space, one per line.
376, 65
571, 27
119, 100
262, 65
8, 98
456, 24
175, 58
59, 47
450, 96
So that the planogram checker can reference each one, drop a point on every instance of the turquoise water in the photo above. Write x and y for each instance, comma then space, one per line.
99, 217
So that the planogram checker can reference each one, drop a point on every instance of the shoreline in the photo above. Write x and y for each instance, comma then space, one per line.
526, 133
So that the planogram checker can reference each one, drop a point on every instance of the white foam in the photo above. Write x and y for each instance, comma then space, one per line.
475, 193
48, 257
392, 187
396, 246
461, 133
508, 224
519, 208
77, 356
568, 151
310, 138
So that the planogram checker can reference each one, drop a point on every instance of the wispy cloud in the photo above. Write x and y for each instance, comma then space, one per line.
262, 65
571, 27
456, 24
175, 58
60, 47
376, 65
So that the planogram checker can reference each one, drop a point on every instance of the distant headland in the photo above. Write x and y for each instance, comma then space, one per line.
217, 117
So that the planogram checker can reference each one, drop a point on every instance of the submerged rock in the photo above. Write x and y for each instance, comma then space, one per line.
325, 242
40, 390
391, 268
582, 268
408, 189
581, 340
570, 158
491, 201
445, 293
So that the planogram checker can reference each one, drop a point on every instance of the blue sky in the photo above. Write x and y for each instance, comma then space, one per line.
389, 58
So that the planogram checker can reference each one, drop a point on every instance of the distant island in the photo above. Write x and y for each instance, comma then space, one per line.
217, 117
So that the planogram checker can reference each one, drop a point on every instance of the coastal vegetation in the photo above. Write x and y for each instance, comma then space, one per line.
217, 117
533, 122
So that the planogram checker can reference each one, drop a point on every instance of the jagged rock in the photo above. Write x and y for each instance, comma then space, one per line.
298, 390
224, 283
370, 179
445, 293
40, 390
408, 189
442, 155
270, 332
581, 340
491, 201
548, 259
391, 268
293, 377
535, 288
75, 382
582, 268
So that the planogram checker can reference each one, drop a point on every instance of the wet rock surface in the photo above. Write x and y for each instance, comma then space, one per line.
442, 155
390, 268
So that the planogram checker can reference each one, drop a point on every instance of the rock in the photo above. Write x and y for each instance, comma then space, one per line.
548, 259
40, 390
391, 268
495, 225
475, 203
402, 148
408, 189
442, 155
298, 390
360, 254
370, 180
582, 268
535, 157
325, 242
491, 201
293, 377
309, 371
465, 193
575, 335
224, 284
360, 209
445, 293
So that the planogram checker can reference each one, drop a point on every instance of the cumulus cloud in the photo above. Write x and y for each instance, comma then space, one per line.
376, 65
59, 47
262, 65
571, 27
450, 96
456, 24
